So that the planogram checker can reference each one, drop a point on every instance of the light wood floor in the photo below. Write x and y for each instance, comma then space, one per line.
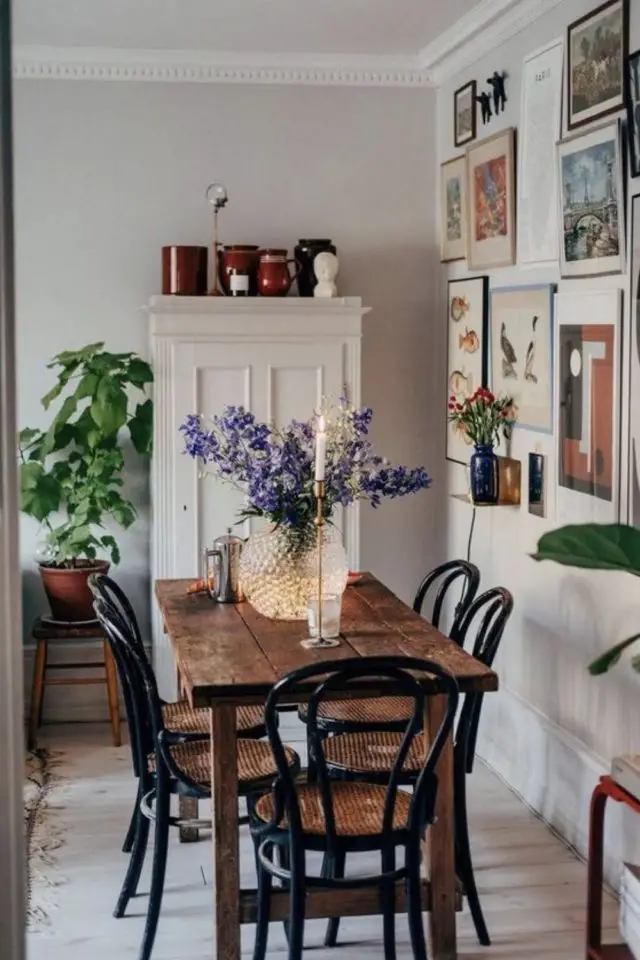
532, 887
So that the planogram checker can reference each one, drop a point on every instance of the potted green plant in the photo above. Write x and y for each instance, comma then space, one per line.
71, 472
595, 546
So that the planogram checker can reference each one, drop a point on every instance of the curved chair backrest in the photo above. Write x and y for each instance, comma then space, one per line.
332, 676
488, 616
442, 579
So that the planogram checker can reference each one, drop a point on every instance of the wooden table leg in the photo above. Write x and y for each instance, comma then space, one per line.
595, 870
112, 694
37, 693
226, 860
440, 850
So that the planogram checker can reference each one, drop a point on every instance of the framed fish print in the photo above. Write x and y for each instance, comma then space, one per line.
464, 114
592, 203
467, 304
633, 113
597, 46
521, 352
491, 202
588, 406
453, 209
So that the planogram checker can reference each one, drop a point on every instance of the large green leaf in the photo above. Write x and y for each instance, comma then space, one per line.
612, 656
139, 372
141, 427
109, 408
593, 546
28, 435
87, 386
39, 492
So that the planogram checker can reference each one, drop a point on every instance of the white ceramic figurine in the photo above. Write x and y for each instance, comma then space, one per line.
325, 267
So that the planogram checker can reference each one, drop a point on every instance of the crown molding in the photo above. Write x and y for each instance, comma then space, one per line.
191, 66
488, 25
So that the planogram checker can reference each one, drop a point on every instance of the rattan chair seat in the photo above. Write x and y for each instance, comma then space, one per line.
373, 752
358, 809
368, 710
255, 761
183, 718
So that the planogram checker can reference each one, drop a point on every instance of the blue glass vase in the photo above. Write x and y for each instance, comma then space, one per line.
483, 474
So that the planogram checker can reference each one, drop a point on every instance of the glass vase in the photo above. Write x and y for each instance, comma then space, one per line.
279, 570
483, 474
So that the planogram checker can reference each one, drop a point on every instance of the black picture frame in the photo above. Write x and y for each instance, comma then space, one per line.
484, 281
633, 112
462, 141
581, 22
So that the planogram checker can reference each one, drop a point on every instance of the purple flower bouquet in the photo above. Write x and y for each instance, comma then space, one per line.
275, 470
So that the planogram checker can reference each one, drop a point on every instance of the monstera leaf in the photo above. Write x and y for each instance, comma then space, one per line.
595, 546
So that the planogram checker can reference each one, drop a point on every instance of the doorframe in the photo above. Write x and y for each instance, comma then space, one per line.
12, 859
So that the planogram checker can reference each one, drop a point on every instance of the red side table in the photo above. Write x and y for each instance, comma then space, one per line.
596, 950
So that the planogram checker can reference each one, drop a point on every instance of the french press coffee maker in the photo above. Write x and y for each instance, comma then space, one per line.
222, 569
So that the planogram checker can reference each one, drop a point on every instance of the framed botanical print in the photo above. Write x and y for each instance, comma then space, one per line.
633, 113
588, 405
464, 114
592, 203
521, 351
467, 303
491, 202
453, 209
597, 47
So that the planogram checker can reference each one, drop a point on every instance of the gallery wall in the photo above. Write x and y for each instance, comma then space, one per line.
553, 728
106, 173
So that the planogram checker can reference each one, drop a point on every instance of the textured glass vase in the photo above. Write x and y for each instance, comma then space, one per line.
279, 570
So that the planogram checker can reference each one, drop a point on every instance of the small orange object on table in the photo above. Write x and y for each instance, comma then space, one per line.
45, 631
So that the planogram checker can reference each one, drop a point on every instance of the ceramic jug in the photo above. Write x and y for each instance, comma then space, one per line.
274, 279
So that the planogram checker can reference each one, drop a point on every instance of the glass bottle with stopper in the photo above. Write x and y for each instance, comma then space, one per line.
217, 197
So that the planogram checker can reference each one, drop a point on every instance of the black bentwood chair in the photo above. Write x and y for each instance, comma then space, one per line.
368, 756
336, 818
169, 763
179, 717
393, 713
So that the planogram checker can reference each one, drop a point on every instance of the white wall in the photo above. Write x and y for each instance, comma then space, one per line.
553, 728
106, 173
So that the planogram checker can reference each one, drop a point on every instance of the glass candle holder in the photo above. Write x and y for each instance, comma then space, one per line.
331, 607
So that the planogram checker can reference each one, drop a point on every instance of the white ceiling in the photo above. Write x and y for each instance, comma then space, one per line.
393, 28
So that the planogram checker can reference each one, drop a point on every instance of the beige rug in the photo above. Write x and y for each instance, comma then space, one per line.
43, 834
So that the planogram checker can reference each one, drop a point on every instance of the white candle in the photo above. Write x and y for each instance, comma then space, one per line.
321, 449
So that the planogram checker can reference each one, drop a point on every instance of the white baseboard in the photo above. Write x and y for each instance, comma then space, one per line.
74, 703
555, 774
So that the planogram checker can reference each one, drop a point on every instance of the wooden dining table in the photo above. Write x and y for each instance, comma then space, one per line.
229, 656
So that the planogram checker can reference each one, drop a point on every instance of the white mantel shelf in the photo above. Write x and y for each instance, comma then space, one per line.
268, 317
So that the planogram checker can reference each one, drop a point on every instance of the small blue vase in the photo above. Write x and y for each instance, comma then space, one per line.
483, 469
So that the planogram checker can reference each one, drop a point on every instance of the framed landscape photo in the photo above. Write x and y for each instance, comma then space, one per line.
592, 203
491, 202
521, 351
597, 46
453, 209
464, 114
633, 113
467, 304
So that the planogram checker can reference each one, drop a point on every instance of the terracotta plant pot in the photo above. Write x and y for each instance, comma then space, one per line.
67, 589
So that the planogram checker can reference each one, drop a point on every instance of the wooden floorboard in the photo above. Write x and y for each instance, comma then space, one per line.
532, 887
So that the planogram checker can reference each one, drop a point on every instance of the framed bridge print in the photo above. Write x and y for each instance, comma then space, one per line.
592, 203
588, 406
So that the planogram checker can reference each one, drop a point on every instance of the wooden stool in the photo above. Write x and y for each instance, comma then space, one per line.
43, 632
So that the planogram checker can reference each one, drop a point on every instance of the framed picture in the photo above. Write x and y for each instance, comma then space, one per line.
467, 304
592, 203
521, 351
588, 405
634, 370
464, 114
453, 209
633, 113
491, 201
597, 47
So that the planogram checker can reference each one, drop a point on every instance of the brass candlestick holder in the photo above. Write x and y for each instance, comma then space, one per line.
217, 197
319, 641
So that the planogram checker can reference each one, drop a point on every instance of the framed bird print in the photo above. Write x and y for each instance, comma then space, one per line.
464, 114
491, 202
467, 304
588, 405
521, 351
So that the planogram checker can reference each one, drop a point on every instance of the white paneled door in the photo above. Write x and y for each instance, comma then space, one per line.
278, 360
